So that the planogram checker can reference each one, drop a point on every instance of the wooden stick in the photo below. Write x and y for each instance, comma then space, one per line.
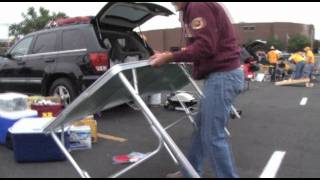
292, 82
112, 138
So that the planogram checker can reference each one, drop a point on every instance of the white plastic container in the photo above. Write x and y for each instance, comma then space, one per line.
155, 99
10, 102
80, 138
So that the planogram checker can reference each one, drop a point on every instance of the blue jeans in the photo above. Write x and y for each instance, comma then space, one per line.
299, 70
309, 70
210, 139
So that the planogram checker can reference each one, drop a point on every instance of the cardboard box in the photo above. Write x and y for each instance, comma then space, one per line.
89, 121
80, 138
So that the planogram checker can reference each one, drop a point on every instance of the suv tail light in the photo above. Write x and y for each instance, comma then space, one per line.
100, 61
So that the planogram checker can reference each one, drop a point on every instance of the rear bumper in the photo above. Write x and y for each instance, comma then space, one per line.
89, 80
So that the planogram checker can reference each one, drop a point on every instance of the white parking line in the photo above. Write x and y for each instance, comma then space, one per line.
303, 101
271, 169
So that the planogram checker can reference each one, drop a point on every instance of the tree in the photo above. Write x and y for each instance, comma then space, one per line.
298, 42
32, 21
273, 41
2, 47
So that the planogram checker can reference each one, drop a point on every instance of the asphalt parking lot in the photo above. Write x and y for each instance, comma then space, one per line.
273, 120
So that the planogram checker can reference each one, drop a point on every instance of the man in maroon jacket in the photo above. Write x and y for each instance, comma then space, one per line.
214, 52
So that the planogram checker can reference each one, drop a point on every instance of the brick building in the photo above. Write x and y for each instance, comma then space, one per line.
164, 39
280, 30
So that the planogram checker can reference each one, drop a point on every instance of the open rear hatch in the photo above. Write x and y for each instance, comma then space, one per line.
255, 46
129, 15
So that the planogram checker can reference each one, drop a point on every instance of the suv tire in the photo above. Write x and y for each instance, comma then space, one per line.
65, 89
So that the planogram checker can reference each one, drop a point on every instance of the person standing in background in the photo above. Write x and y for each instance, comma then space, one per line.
273, 57
310, 62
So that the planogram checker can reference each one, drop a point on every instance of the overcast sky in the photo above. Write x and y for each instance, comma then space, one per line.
298, 12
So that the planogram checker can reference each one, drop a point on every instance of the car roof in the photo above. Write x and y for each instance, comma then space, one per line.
79, 26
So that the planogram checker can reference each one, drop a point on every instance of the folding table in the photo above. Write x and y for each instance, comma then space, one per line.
125, 83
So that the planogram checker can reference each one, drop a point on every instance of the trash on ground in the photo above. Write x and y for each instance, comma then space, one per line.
128, 158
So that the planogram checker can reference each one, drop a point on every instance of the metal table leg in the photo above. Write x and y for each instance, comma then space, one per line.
188, 113
199, 91
150, 155
82, 173
166, 138
235, 112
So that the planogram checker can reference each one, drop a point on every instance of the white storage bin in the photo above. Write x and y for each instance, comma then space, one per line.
10, 102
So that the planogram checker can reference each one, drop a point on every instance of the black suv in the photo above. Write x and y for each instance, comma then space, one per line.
65, 60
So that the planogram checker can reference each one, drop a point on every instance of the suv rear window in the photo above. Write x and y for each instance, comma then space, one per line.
45, 43
73, 39
127, 12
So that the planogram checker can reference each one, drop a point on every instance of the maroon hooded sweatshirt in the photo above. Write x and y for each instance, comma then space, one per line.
211, 40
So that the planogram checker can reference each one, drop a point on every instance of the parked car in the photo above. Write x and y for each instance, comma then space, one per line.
254, 52
69, 56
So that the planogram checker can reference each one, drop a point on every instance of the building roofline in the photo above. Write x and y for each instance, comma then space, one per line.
272, 23
176, 28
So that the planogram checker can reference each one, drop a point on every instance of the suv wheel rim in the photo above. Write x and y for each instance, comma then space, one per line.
63, 93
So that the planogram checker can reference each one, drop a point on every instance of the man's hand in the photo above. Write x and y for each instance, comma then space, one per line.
160, 59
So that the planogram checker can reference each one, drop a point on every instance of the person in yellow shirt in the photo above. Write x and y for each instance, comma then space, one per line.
299, 60
310, 62
273, 58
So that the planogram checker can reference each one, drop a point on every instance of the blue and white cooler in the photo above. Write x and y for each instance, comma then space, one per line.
8, 119
30, 144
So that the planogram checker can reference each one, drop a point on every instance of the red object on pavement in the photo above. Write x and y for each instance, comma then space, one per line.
121, 159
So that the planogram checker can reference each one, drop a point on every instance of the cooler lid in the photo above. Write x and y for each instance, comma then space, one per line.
11, 96
30, 125
16, 115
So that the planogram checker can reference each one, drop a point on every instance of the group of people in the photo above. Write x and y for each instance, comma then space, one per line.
304, 61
